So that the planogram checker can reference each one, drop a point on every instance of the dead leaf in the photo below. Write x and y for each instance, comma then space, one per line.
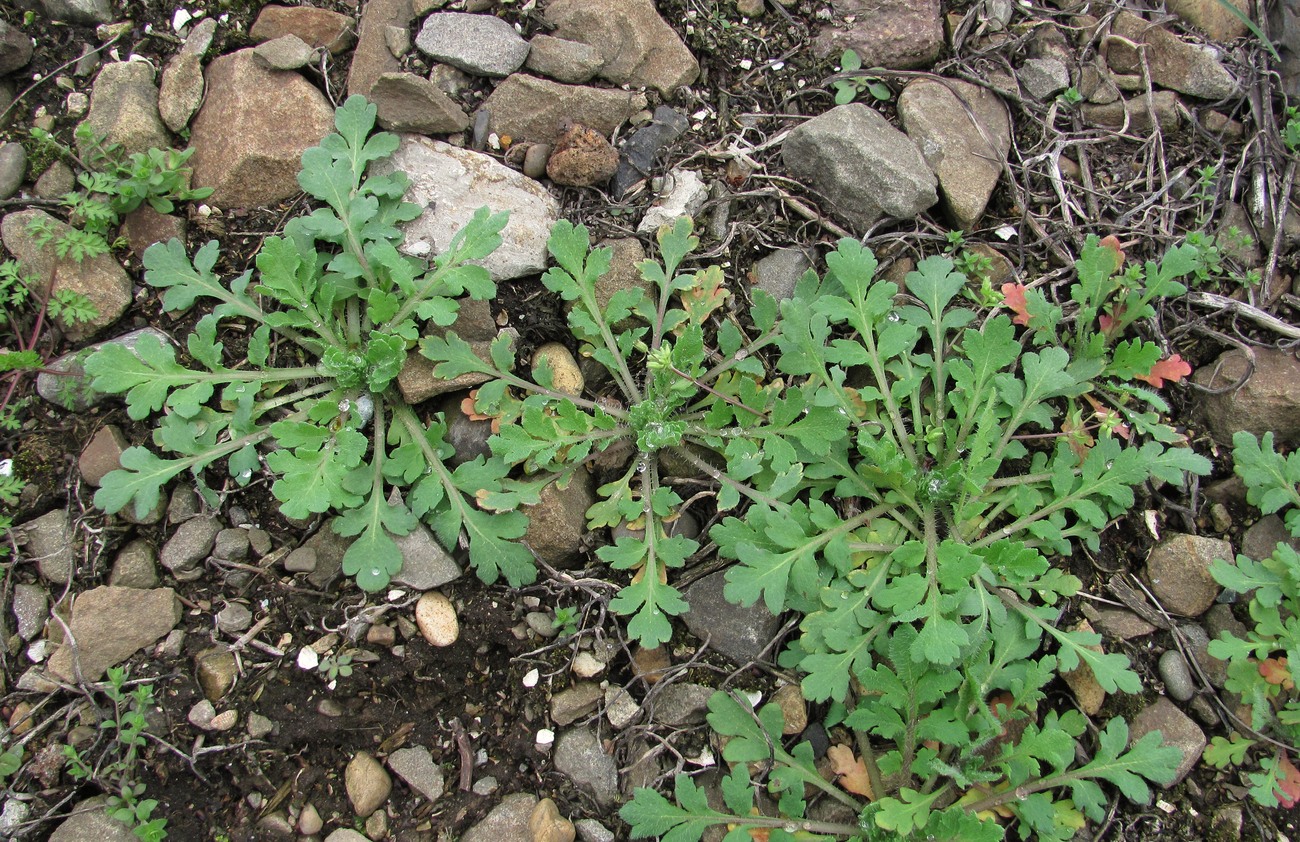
1173, 369
1013, 295
851, 771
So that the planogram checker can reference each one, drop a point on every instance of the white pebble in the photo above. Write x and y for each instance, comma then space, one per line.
530, 680
308, 659
435, 616
545, 737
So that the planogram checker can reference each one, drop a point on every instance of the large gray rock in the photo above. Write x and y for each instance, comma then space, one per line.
110, 625
15, 48
190, 544
572, 62
580, 755
101, 278
79, 11
1188, 68
48, 542
637, 47
740, 634
528, 108
415, 766
124, 108
964, 133
425, 564
452, 183
864, 167
1269, 399
484, 45
896, 34
90, 822
252, 130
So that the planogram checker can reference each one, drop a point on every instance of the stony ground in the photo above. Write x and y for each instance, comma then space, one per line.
1028, 125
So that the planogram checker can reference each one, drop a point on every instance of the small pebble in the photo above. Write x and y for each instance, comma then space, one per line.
309, 821
202, 714
225, 720
1177, 676
585, 665
485, 785
435, 616
330, 708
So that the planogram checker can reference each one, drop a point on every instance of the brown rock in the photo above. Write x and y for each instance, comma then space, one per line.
1137, 111
547, 825
1269, 400
409, 103
1178, 571
110, 625
145, 226
1211, 17
1083, 682
896, 34
557, 525
572, 704
1176, 729
372, 58
367, 783
528, 108
217, 670
320, 28
102, 454
650, 664
1187, 68
637, 47
251, 132
793, 708
582, 157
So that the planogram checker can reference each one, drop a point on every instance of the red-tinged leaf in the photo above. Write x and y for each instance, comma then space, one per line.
1106, 323
1288, 782
1112, 242
1173, 369
1013, 295
851, 770
1110, 419
1276, 671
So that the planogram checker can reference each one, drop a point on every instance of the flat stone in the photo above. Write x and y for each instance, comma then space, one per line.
777, 273
145, 226
318, 28
231, 545
964, 134
102, 455
48, 542
330, 547
250, 134
1118, 622
578, 701
190, 544
452, 183
571, 62
136, 566
288, 52
1178, 571
15, 48
124, 108
681, 704
31, 607
345, 834
234, 618
1212, 17
684, 195
532, 109
409, 103
425, 564
484, 45
1188, 68
557, 524
101, 278
415, 766
1268, 401
367, 783
507, 820
301, 560
637, 46
90, 822
1176, 729
57, 180
740, 634
864, 167
181, 91
13, 168
64, 382
1263, 536
1135, 113
111, 624
894, 34
372, 58
1043, 78
580, 756
642, 150
620, 707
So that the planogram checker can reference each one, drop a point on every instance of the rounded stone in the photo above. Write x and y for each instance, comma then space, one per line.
566, 377
136, 566
435, 617
367, 783
1176, 675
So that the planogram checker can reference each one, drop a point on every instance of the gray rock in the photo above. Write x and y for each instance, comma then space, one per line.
101, 279
367, 783
642, 148
1197, 642
557, 524
1263, 536
1135, 113
234, 618
415, 766
111, 624
15, 48
408, 103
1044, 78
184, 504
571, 62
1178, 570
508, 820
1269, 400
216, 670
452, 183
740, 634
124, 108
301, 560
684, 195
79, 11
485, 785
372, 58
1177, 730
102, 454
425, 564
249, 136
467, 436
1188, 68
895, 34
964, 134
572, 704
199, 40
14, 814
13, 168
136, 566
777, 273
31, 609
580, 756
190, 544
484, 45
620, 707
1177, 676
318, 28
345, 834
48, 542
864, 167
57, 180
681, 704
329, 547
542, 623
533, 109
90, 822
1118, 622
590, 830
288, 52
638, 48
231, 545
201, 715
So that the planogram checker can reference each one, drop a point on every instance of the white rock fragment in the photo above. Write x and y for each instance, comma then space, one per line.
435, 617
530, 679
308, 659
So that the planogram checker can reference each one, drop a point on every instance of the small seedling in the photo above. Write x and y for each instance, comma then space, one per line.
847, 90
